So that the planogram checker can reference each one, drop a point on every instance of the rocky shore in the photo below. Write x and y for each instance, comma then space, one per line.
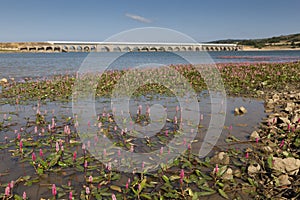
271, 165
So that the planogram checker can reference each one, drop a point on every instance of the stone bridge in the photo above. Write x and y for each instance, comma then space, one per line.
68, 46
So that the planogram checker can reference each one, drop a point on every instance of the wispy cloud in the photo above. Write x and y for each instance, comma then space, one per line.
138, 18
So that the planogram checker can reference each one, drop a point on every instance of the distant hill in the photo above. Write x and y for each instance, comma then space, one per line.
291, 41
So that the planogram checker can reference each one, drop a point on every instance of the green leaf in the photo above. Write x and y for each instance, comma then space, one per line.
54, 160
223, 194
270, 161
142, 184
166, 179
206, 193
116, 188
146, 196
17, 197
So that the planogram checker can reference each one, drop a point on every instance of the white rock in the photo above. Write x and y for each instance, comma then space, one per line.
243, 110
3, 80
228, 175
253, 169
220, 158
275, 97
254, 135
287, 165
236, 111
284, 180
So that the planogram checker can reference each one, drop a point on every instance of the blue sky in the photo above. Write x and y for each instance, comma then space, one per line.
96, 20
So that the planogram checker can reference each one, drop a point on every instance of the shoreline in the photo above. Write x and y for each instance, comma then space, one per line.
258, 171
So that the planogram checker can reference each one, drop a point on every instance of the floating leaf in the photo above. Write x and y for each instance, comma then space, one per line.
116, 188
223, 194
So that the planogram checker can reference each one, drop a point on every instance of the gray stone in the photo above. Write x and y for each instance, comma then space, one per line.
253, 169
284, 180
275, 97
3, 80
243, 110
295, 118
286, 165
237, 173
267, 149
236, 111
220, 158
289, 107
228, 175
254, 135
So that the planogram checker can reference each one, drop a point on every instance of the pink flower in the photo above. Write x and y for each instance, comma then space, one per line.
54, 192
216, 169
19, 136
131, 148
108, 166
127, 186
161, 150
113, 197
7, 191
57, 147
74, 155
33, 156
87, 190
175, 120
281, 144
247, 155
70, 195
90, 179
24, 195
256, 140
181, 176
167, 133
289, 127
41, 153
85, 164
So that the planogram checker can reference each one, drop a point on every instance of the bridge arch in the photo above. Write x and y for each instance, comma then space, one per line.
153, 49
190, 48
86, 49
23, 49
169, 49
65, 48
72, 48
183, 48
41, 48
93, 48
49, 48
135, 49
126, 49
79, 48
116, 49
105, 49
176, 49
145, 49
57, 48
197, 49
161, 49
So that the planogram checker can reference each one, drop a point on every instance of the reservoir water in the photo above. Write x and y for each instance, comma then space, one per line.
18, 65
